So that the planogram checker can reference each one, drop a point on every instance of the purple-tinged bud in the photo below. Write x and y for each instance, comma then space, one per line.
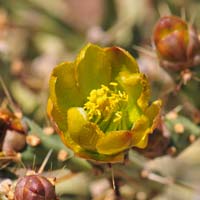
34, 187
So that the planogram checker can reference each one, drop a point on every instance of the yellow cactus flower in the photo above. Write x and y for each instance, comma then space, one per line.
99, 104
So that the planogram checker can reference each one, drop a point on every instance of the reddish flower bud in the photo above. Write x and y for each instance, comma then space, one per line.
176, 43
34, 187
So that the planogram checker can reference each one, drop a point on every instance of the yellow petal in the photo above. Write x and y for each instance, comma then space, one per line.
60, 126
64, 87
92, 69
121, 60
137, 87
146, 124
57, 118
143, 142
152, 112
114, 142
83, 132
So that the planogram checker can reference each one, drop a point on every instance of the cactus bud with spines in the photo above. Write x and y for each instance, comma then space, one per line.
34, 187
176, 43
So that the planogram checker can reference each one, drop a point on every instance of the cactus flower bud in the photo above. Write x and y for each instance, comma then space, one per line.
34, 187
176, 43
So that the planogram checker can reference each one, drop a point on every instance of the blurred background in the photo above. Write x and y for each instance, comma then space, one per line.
37, 35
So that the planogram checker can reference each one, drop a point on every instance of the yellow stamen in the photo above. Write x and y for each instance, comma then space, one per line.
105, 103
118, 116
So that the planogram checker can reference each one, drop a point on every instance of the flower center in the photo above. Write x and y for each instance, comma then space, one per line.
105, 106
